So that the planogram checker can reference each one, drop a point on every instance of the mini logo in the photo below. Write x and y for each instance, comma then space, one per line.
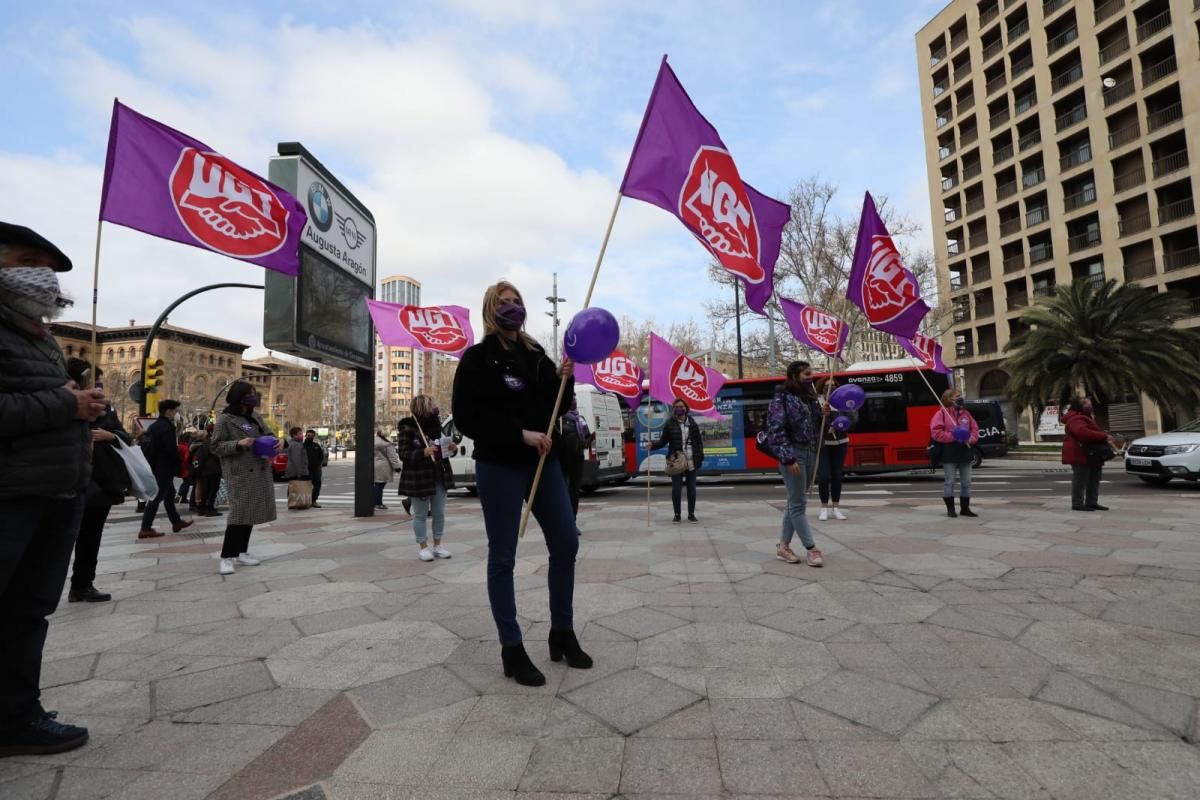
714, 203
513, 382
926, 347
888, 290
320, 207
434, 328
618, 374
824, 330
350, 232
689, 381
226, 208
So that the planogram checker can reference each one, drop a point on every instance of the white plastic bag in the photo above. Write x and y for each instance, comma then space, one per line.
142, 483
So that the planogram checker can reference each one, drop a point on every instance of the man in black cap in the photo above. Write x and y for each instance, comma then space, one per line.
45, 466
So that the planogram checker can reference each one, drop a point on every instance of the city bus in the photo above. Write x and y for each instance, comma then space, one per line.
892, 431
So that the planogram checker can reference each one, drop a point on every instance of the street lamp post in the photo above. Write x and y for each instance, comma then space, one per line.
553, 315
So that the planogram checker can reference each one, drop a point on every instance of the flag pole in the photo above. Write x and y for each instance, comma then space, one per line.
95, 301
812, 479
562, 386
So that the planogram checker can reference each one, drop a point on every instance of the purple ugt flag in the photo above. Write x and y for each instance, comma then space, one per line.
926, 350
167, 184
814, 328
880, 285
680, 164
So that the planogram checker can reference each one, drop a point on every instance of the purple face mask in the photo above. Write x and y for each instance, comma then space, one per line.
510, 316
250, 400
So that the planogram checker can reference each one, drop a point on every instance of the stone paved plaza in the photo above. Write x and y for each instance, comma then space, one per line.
1032, 653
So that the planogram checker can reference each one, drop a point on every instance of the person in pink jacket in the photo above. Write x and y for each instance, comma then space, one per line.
953, 427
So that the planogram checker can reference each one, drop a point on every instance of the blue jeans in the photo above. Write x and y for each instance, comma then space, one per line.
677, 482
502, 491
378, 492
423, 507
794, 521
964, 479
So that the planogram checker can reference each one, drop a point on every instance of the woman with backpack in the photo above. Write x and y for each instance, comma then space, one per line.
426, 475
793, 423
1082, 449
681, 436
953, 427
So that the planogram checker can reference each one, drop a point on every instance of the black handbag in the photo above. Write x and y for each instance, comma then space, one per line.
936, 451
1099, 452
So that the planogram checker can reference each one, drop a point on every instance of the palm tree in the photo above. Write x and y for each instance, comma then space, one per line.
1105, 341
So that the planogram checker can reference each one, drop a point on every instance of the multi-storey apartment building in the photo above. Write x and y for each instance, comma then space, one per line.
1063, 142
399, 371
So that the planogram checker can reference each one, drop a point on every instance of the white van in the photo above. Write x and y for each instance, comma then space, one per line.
604, 460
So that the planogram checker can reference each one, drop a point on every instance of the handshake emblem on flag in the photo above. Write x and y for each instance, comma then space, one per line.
436, 329
225, 207
689, 381
714, 203
888, 288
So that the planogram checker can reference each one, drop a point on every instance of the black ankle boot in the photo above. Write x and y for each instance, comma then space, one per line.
518, 666
950, 512
564, 643
966, 511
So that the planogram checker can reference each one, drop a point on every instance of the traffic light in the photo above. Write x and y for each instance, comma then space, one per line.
314, 374
152, 378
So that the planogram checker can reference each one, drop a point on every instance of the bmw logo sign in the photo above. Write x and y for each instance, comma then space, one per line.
320, 206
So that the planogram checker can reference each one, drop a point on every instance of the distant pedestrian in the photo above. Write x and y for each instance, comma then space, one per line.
793, 424
318, 459
832, 458
249, 479
953, 427
426, 476
1082, 448
45, 466
206, 471
185, 471
109, 483
572, 442
504, 397
681, 436
162, 451
296, 470
386, 464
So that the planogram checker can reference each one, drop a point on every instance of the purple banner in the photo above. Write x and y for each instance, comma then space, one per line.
880, 285
926, 350
813, 328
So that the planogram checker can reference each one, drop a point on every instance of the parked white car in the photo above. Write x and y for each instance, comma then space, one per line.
604, 460
1159, 459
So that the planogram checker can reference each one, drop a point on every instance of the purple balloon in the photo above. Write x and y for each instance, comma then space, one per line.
591, 336
962, 434
264, 446
847, 398
841, 423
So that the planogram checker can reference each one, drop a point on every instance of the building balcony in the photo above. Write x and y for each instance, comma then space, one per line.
1022, 66
1006, 190
992, 50
1073, 117
1014, 264
988, 15
1080, 199
1156, 72
1040, 253
1123, 136
1062, 40
937, 58
1031, 178
1137, 270
1134, 223
1018, 300
1169, 163
1114, 51
981, 274
1128, 180
966, 104
1164, 116
1082, 241
1044, 291
1153, 26
1017, 31
975, 205
1031, 139
1050, 6
1077, 158
984, 309
996, 84
1002, 154
971, 170
968, 137
1119, 92
1036, 216
949, 182
1173, 212
1181, 259
1010, 226
1107, 9
1065, 78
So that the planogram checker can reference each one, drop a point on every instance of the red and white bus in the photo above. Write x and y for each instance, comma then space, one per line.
891, 433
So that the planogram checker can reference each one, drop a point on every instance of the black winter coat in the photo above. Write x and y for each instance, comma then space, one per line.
420, 474
162, 448
45, 451
110, 478
499, 392
672, 439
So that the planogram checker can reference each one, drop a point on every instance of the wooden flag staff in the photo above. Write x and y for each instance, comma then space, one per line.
91, 381
562, 386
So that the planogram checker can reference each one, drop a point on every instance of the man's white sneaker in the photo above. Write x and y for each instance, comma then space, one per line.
440, 551
226, 566
247, 560
837, 514
426, 554
824, 515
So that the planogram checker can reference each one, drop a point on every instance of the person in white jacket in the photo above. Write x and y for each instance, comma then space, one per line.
387, 463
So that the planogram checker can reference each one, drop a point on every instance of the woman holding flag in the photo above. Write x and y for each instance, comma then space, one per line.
426, 475
793, 423
504, 398
953, 427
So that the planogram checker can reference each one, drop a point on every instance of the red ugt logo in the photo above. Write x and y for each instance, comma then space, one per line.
226, 208
436, 329
715, 205
689, 381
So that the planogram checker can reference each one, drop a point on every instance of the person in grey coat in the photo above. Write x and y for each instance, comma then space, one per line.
387, 463
248, 479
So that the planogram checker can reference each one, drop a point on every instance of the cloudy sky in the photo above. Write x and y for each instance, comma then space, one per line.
487, 136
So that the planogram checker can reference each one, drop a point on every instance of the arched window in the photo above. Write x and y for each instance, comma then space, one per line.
111, 354
120, 354
70, 350
993, 383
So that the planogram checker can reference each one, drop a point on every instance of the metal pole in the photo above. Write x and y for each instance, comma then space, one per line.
336, 390
163, 318
771, 335
737, 318
554, 301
